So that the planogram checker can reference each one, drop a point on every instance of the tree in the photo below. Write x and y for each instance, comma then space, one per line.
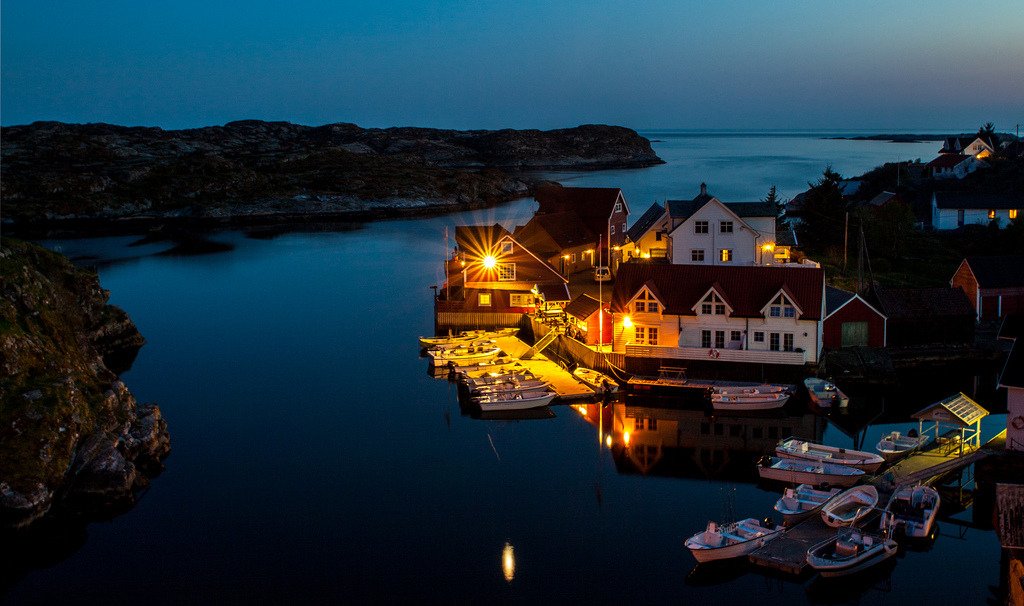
823, 213
989, 130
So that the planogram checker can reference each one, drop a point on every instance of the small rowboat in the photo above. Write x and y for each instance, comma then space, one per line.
912, 509
597, 381
731, 390
850, 506
848, 552
795, 471
464, 355
467, 336
494, 378
515, 400
749, 401
794, 448
510, 385
797, 503
893, 444
731, 540
824, 393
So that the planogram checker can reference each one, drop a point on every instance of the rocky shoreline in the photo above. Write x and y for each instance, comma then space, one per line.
76, 177
74, 442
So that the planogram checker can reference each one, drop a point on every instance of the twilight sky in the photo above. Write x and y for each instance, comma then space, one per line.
940, 64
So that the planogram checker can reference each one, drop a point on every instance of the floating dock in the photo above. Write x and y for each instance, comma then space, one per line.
561, 380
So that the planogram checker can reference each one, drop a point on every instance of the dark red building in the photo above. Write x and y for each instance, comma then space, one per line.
851, 321
993, 285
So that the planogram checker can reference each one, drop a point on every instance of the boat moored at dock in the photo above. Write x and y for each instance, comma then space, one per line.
515, 399
461, 356
825, 394
796, 471
794, 448
797, 503
731, 540
850, 506
749, 400
894, 445
912, 510
595, 380
849, 552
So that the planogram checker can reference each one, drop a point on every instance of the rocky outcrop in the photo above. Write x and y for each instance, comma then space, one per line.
252, 170
72, 436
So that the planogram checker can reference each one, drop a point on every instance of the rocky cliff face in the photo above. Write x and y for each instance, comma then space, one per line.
55, 171
71, 434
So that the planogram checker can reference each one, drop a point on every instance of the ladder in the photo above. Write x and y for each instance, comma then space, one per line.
540, 345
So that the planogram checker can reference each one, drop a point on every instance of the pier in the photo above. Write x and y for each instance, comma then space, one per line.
561, 380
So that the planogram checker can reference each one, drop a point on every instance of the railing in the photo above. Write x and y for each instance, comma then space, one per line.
721, 355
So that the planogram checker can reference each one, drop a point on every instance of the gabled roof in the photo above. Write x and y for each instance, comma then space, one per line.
582, 307
554, 291
963, 199
748, 288
836, 298
923, 303
948, 161
957, 144
883, 198
1005, 271
684, 209
593, 204
645, 222
479, 238
551, 233
954, 410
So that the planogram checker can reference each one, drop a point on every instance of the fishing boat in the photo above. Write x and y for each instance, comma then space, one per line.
597, 381
464, 355
797, 503
912, 509
848, 552
894, 444
824, 393
748, 401
794, 448
850, 506
515, 399
731, 540
466, 343
796, 471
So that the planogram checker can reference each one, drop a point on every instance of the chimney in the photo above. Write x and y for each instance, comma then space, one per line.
703, 189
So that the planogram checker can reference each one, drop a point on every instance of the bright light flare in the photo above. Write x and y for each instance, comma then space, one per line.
608, 441
627, 322
490, 262
508, 562
625, 438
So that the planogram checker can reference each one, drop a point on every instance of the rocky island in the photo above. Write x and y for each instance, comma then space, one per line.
82, 176
73, 440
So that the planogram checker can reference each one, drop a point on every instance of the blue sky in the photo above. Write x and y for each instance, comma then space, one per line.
785, 64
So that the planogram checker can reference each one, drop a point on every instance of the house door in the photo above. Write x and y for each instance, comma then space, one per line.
854, 334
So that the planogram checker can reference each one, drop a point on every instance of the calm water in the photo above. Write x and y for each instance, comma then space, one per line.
314, 458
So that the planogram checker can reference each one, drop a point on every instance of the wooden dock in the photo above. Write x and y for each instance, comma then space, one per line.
561, 380
788, 553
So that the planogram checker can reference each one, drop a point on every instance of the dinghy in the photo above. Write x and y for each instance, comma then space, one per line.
464, 355
848, 552
894, 445
801, 449
795, 471
748, 401
912, 509
515, 400
597, 381
850, 506
825, 394
731, 540
797, 503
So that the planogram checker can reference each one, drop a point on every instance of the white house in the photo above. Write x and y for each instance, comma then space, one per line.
1012, 379
770, 315
980, 147
954, 166
951, 210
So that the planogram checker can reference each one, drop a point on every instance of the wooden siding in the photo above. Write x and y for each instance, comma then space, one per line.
472, 320
854, 311
965, 279
724, 355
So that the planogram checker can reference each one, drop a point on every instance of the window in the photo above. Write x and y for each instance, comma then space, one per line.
705, 339
991, 214
734, 335
484, 299
506, 272
652, 336
781, 308
520, 300
720, 339
657, 236
787, 341
789, 311
697, 255
645, 302
773, 341
638, 424
700, 227
645, 335
573, 257
652, 307
712, 305
726, 255
652, 424
506, 248
611, 229
726, 227
1013, 213
758, 337
618, 207
640, 306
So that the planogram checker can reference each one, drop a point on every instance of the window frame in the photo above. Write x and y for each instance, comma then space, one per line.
503, 275
696, 255
701, 227
725, 227
485, 299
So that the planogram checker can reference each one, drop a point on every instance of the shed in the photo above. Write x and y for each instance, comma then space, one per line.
851, 321
582, 313
923, 316
994, 285
957, 412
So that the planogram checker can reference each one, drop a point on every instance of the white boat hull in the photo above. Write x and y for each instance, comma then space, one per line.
850, 506
491, 404
726, 544
831, 567
809, 451
748, 402
793, 471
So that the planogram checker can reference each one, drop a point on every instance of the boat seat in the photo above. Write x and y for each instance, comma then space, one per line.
846, 548
733, 537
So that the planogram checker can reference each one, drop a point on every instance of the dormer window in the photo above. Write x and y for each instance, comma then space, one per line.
506, 248
507, 272
781, 308
646, 303
712, 305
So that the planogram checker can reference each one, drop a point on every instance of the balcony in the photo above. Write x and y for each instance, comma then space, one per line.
796, 358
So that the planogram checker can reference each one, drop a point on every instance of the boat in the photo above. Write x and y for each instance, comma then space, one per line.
850, 506
464, 355
824, 393
796, 471
466, 343
848, 552
597, 381
467, 336
515, 399
912, 509
894, 444
731, 540
494, 378
797, 503
509, 385
747, 389
794, 448
748, 401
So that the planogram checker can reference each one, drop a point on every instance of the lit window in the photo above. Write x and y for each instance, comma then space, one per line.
484, 299
1013, 213
506, 248
726, 227
697, 255
638, 424
991, 214
700, 227
520, 300
726, 255
507, 272
645, 336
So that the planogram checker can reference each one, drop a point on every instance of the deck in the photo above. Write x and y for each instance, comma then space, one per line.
561, 380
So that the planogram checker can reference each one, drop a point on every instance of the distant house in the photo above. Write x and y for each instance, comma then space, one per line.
1012, 378
951, 210
994, 285
885, 198
977, 146
492, 274
851, 321
587, 320
562, 239
602, 210
925, 316
954, 166
754, 314
647, 238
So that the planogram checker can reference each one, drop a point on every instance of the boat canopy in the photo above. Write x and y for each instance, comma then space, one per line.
957, 411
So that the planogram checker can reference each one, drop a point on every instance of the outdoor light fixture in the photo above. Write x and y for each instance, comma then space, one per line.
490, 262
627, 322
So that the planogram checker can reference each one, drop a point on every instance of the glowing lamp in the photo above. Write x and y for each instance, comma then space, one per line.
490, 262
625, 438
508, 562
768, 246
608, 441
627, 322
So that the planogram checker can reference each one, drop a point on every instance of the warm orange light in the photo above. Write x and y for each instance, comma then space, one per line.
1013, 213
625, 438
615, 248
608, 441
627, 322
768, 246
490, 262
508, 562
566, 257
589, 251
647, 255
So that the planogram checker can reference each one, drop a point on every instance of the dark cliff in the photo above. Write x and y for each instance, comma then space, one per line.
57, 172
71, 434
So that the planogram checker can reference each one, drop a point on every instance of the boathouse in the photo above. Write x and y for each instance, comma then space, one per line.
994, 285
924, 316
587, 320
850, 321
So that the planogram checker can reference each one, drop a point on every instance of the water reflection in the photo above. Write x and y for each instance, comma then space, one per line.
508, 562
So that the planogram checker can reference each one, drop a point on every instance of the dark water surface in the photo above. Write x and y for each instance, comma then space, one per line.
314, 459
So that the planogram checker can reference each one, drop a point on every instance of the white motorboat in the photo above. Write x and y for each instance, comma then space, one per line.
494, 378
727, 390
824, 393
595, 380
731, 540
894, 444
509, 385
797, 503
515, 400
464, 344
848, 552
912, 509
464, 355
748, 401
794, 448
850, 506
796, 471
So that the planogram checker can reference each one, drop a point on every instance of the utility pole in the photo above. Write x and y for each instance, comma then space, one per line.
846, 239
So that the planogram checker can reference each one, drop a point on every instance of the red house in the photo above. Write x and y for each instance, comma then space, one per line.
994, 285
851, 321
587, 320
602, 210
